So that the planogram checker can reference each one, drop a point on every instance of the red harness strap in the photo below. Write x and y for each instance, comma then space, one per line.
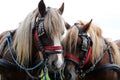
53, 47
69, 55
48, 47
88, 55
36, 35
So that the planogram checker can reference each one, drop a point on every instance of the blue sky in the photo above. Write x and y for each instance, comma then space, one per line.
105, 13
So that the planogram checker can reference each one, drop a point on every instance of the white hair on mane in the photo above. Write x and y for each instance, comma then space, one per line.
54, 23
71, 40
54, 26
23, 38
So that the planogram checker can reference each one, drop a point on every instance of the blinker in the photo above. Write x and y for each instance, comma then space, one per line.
41, 30
84, 44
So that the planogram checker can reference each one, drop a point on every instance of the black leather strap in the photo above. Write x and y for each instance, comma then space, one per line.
105, 67
7, 65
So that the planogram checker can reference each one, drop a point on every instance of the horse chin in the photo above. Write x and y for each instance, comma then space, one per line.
54, 64
53, 69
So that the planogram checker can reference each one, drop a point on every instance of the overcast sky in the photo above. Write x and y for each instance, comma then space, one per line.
105, 13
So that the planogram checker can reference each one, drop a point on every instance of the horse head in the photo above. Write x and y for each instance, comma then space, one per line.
51, 27
77, 45
89, 54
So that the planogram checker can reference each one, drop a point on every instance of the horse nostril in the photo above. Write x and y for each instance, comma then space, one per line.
68, 76
54, 63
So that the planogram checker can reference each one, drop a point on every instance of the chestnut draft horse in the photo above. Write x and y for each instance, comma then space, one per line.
34, 46
89, 56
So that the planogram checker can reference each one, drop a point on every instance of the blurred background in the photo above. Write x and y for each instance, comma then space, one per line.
105, 13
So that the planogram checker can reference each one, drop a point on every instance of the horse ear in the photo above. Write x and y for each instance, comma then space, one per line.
61, 9
81, 22
68, 26
86, 26
42, 8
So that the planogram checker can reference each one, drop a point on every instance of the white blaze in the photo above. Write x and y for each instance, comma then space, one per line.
59, 62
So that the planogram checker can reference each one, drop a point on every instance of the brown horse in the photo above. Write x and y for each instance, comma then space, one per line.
89, 56
34, 46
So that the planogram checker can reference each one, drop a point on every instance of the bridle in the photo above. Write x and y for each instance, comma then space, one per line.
85, 47
40, 31
46, 50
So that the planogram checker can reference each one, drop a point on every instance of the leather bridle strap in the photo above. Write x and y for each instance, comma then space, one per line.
53, 47
88, 55
73, 58
48, 49
36, 35
53, 50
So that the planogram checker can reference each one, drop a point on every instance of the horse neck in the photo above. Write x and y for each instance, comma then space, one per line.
5, 52
109, 48
115, 51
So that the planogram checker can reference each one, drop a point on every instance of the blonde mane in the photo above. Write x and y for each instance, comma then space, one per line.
53, 24
71, 40
23, 38
98, 42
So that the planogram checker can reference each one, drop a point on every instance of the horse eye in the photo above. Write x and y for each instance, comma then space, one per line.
63, 32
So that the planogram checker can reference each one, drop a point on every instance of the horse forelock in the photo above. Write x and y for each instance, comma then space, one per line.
72, 38
54, 23
70, 41
23, 38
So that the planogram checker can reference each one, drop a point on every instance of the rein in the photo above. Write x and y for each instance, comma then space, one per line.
8, 38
